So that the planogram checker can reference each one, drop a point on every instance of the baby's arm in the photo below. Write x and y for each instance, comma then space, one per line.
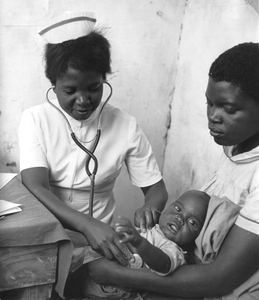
154, 257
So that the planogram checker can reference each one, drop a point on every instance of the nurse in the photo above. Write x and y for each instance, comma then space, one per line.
77, 61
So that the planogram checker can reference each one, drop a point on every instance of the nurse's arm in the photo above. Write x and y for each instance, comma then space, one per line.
101, 237
237, 260
37, 182
155, 200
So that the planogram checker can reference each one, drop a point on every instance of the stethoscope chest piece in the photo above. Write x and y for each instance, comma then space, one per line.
137, 262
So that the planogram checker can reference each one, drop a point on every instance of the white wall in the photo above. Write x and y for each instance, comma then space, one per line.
161, 53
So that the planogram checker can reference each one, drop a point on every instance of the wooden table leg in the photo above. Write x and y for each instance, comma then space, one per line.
28, 273
40, 292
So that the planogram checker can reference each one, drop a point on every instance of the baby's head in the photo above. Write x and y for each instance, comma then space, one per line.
182, 221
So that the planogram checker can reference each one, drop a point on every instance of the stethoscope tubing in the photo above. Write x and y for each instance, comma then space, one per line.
90, 153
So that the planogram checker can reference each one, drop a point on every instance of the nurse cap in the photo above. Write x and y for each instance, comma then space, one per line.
71, 26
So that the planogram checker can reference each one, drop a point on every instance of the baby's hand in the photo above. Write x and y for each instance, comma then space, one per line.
127, 232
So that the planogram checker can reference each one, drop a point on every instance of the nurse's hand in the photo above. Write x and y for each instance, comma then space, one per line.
105, 241
146, 217
155, 200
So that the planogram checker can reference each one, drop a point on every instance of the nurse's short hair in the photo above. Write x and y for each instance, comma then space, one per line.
87, 53
240, 66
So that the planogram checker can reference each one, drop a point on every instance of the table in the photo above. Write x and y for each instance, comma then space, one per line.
35, 250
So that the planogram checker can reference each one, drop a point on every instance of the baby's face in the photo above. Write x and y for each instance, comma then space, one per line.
182, 221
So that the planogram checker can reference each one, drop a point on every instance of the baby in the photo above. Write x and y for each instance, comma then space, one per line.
162, 247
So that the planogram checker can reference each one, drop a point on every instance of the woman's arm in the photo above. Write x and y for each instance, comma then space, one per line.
237, 260
102, 238
155, 200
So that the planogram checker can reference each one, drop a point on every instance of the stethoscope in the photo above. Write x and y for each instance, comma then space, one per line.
90, 153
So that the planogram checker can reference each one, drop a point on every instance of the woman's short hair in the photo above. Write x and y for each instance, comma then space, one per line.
240, 66
87, 53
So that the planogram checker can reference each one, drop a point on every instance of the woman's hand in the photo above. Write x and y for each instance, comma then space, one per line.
104, 240
127, 232
146, 217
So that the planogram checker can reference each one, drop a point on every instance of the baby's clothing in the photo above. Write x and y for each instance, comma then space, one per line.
156, 237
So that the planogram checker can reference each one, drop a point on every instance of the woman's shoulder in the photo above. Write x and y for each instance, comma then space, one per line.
113, 109
40, 108
40, 114
117, 114
43, 111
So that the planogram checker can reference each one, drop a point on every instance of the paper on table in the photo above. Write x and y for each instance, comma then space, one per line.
7, 207
5, 178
